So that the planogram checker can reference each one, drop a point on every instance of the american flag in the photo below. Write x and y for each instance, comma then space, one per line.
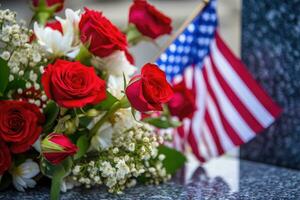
231, 107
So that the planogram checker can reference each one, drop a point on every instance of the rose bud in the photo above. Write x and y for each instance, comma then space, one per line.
5, 157
56, 147
148, 20
50, 3
183, 102
20, 124
73, 85
102, 37
149, 90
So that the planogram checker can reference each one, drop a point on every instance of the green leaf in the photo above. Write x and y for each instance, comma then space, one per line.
162, 122
15, 84
5, 181
4, 74
107, 103
84, 55
85, 121
51, 112
174, 159
124, 81
83, 145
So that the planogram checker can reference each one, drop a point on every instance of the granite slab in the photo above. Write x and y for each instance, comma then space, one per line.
220, 180
271, 51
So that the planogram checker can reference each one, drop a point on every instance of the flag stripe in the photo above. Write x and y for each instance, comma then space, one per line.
240, 69
213, 132
232, 115
208, 154
199, 91
241, 88
229, 130
194, 145
209, 139
238, 104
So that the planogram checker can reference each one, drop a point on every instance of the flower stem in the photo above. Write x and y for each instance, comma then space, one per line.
123, 103
109, 113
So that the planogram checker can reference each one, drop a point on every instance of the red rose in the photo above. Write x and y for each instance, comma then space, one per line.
73, 85
56, 147
146, 92
183, 102
55, 25
50, 3
148, 20
20, 124
5, 158
100, 34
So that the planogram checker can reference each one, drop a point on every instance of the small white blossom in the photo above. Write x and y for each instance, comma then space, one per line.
5, 55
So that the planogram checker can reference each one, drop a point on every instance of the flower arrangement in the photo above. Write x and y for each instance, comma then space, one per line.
73, 106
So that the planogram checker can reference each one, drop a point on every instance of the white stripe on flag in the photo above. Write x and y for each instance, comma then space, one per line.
198, 118
210, 141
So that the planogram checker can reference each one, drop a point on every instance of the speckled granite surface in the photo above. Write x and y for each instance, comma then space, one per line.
271, 50
253, 181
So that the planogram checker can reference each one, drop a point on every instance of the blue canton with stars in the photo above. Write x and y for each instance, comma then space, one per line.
192, 45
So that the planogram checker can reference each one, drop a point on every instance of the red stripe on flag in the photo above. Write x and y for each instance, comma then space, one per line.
235, 138
236, 102
243, 73
213, 133
194, 146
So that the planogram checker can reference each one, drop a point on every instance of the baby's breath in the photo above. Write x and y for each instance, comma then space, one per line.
133, 154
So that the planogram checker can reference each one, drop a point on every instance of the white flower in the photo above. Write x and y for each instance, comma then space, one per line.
57, 43
23, 174
115, 64
123, 170
107, 169
125, 120
103, 138
115, 85
72, 18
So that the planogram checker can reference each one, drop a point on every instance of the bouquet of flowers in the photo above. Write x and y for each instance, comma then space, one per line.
75, 109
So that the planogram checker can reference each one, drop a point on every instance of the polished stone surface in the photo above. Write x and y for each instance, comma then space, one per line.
271, 50
219, 179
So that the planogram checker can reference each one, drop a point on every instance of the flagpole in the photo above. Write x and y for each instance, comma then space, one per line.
197, 10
